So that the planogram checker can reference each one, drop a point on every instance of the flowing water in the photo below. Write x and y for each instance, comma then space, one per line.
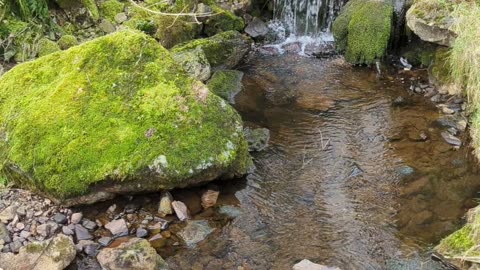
349, 180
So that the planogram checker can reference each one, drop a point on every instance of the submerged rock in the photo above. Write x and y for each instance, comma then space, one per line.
195, 232
209, 198
116, 117
449, 138
257, 138
136, 254
53, 254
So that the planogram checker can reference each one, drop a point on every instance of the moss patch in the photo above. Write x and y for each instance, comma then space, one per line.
67, 41
116, 108
226, 84
92, 8
46, 46
363, 30
110, 8
223, 21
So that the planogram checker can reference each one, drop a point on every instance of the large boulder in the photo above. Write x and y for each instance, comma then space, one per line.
362, 30
135, 254
223, 51
432, 21
53, 254
114, 115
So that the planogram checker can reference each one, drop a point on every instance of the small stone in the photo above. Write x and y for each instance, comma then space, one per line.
462, 125
38, 213
195, 232
80, 246
165, 205
67, 231
91, 249
117, 227
256, 28
15, 246
157, 241
131, 208
88, 224
308, 265
112, 208
447, 110
106, 26
141, 233
436, 98
60, 218
81, 233
209, 198
105, 241
8, 214
449, 138
21, 211
4, 234
43, 230
76, 217
25, 234
121, 17
181, 210
399, 101
20, 226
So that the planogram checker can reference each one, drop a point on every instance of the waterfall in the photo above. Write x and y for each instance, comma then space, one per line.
306, 17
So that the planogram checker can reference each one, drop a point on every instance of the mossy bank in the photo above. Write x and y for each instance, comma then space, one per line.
115, 115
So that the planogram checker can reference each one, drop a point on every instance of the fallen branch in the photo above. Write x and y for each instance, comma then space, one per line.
189, 14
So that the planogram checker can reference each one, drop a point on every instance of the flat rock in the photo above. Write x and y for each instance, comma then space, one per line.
81, 233
117, 227
142, 257
8, 213
60, 218
195, 232
181, 210
449, 138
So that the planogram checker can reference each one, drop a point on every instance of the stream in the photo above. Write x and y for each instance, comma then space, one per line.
349, 180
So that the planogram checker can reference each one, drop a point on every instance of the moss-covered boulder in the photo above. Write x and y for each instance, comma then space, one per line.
47, 46
362, 30
224, 20
114, 115
463, 246
194, 62
67, 41
226, 84
223, 51
432, 21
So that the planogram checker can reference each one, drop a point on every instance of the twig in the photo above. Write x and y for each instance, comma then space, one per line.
190, 14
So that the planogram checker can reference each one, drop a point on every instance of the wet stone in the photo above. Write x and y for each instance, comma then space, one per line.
209, 198
165, 204
141, 233
105, 241
449, 138
91, 249
89, 225
60, 218
157, 241
67, 231
406, 170
117, 227
76, 218
195, 232
81, 233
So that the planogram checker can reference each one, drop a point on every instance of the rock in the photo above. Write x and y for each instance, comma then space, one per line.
157, 241
223, 21
106, 26
141, 233
21, 211
449, 138
43, 230
180, 210
4, 234
8, 214
76, 218
461, 125
60, 218
46, 47
121, 17
67, 231
91, 249
20, 226
25, 234
256, 28
308, 265
215, 150
230, 211
226, 84
399, 101
88, 224
15, 246
209, 198
223, 51
406, 170
105, 241
144, 256
81, 233
53, 254
194, 62
165, 205
112, 209
363, 35
447, 110
195, 232
117, 227
82, 244
430, 28
257, 138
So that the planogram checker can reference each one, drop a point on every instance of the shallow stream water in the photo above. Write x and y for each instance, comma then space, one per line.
349, 180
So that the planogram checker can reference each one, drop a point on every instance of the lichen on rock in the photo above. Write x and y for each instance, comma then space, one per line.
95, 118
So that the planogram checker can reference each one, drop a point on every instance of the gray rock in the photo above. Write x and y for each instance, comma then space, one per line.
67, 231
406, 170
21, 211
91, 249
53, 254
25, 234
165, 204
449, 138
80, 246
195, 63
141, 233
15, 246
121, 17
76, 217
4, 234
43, 230
8, 214
230, 211
145, 256
117, 227
257, 138
81, 233
105, 241
256, 28
429, 30
195, 232
308, 265
181, 210
88, 224
60, 218
461, 125
106, 26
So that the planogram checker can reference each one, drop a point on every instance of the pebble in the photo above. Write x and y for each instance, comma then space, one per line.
449, 138
121, 17
21, 211
15, 246
447, 110
25, 234
60, 218
20, 226
117, 227
89, 225
43, 230
67, 231
165, 204
462, 125
141, 233
91, 249
105, 241
181, 210
8, 214
209, 198
81, 233
76, 218
112, 208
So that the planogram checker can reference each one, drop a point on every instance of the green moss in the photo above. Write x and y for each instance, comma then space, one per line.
67, 41
223, 21
340, 25
92, 8
35, 247
46, 46
221, 50
110, 8
226, 84
109, 109
458, 242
